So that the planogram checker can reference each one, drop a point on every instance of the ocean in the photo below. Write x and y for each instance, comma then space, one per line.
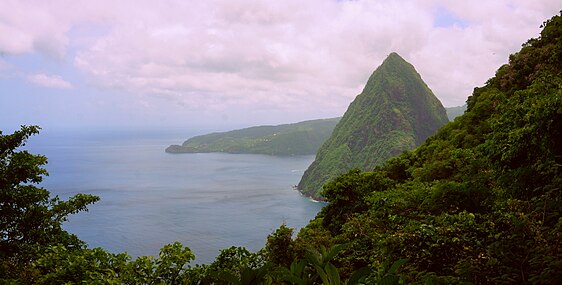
150, 198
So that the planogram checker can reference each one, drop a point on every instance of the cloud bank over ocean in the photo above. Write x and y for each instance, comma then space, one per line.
246, 59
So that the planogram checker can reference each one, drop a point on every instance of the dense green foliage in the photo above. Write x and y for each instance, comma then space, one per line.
395, 112
36, 250
30, 219
480, 201
289, 139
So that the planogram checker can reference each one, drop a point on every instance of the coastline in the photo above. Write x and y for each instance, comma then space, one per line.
295, 188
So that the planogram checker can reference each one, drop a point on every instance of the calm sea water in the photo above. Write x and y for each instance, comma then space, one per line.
150, 198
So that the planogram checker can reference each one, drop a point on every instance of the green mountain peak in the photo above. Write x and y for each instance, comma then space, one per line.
396, 111
393, 56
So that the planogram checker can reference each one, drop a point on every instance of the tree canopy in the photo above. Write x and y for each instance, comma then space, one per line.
480, 202
30, 220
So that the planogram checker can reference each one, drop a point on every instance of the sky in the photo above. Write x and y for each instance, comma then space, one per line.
222, 64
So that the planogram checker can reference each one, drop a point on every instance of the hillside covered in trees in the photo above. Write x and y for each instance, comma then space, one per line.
289, 139
480, 202
395, 112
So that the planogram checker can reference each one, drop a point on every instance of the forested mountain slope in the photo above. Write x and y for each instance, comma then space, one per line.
289, 139
481, 200
395, 112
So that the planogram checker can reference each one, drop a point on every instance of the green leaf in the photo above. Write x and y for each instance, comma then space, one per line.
333, 251
332, 273
358, 275
394, 268
322, 274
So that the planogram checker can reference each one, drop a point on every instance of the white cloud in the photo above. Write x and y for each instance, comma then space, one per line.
49, 81
295, 54
304, 52
29, 26
305, 56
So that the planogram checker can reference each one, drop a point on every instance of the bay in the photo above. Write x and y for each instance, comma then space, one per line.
150, 198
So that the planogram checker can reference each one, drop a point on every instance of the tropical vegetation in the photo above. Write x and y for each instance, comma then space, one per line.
480, 202
395, 112
303, 138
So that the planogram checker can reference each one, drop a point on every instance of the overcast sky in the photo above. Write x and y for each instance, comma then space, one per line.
231, 63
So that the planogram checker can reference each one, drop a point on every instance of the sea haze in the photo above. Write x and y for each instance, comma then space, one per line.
150, 198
